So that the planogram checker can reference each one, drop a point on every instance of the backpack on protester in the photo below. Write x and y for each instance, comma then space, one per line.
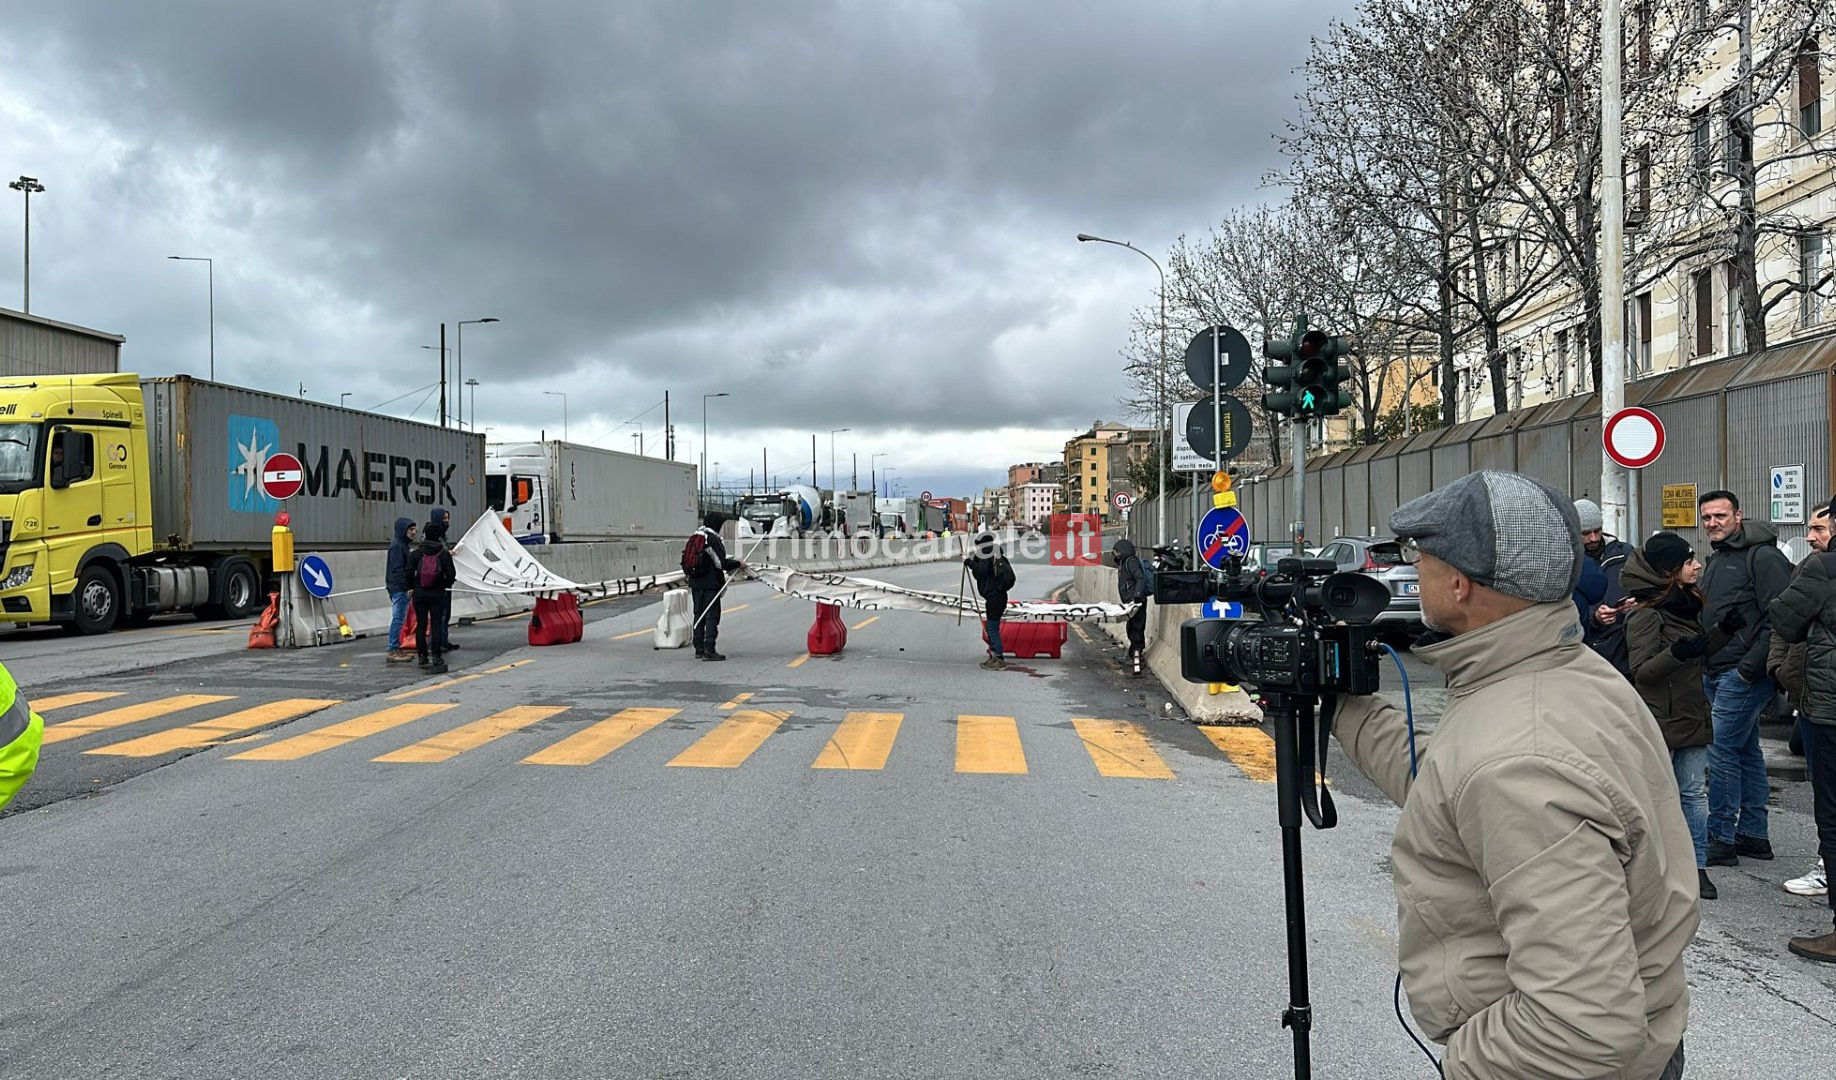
1147, 577
428, 576
693, 553
1003, 575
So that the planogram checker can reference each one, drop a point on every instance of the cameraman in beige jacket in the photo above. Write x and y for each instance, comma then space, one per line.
1545, 878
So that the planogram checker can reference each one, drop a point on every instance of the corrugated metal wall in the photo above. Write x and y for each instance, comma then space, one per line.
1498, 452
1584, 458
1358, 499
1543, 453
1383, 490
31, 347
1453, 458
1778, 423
1692, 455
1332, 484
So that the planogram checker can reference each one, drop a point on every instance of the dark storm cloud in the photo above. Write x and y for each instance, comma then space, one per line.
847, 213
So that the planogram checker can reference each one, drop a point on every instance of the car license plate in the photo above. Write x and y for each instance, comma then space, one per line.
1411, 588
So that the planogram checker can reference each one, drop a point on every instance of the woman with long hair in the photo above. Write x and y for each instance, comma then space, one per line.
1665, 645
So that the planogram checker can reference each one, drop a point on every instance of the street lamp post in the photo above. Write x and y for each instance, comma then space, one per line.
638, 438
702, 474
1161, 422
459, 362
873, 473
210, 285
341, 398
473, 383
832, 435
563, 397
442, 350
27, 185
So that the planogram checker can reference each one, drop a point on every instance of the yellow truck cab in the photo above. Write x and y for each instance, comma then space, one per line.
75, 503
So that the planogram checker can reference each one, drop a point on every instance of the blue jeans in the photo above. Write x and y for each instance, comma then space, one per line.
398, 614
1737, 769
1691, 766
994, 635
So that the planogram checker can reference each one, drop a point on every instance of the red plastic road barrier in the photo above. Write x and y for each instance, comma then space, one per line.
1027, 640
828, 634
410, 629
556, 621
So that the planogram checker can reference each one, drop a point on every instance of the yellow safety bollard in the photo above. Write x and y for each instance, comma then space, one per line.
282, 542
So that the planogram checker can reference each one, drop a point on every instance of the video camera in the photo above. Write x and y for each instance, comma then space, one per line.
1314, 637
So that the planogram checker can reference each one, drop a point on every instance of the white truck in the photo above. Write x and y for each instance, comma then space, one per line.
795, 511
558, 492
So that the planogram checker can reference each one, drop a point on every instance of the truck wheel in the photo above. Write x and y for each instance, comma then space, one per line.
97, 601
241, 590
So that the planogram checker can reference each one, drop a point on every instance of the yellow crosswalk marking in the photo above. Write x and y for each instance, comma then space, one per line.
738, 607
730, 744
989, 744
444, 683
589, 745
213, 731
1248, 748
865, 622
450, 744
738, 700
634, 633
1120, 748
64, 701
336, 735
800, 661
862, 742
128, 714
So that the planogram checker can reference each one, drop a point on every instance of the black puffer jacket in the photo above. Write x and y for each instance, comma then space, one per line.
1746, 573
1670, 686
1806, 611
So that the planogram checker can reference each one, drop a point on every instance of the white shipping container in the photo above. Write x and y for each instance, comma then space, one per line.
561, 492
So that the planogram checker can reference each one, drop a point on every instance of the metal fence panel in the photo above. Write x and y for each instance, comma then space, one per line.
1413, 475
1383, 491
1543, 452
1451, 462
1358, 498
1316, 518
1779, 423
1332, 489
1498, 452
1692, 455
1584, 458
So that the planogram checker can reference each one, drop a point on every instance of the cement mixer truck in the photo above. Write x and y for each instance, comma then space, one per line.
795, 511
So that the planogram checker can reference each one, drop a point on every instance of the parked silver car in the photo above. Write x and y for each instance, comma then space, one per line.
1382, 559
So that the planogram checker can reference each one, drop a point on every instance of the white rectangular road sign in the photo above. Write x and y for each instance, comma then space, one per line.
1184, 458
1787, 489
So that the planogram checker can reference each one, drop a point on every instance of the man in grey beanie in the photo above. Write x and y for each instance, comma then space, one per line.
1606, 632
1545, 876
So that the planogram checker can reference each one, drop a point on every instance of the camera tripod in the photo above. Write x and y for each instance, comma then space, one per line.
1298, 791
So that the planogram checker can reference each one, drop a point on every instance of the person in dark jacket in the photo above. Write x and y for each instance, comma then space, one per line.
1806, 612
1606, 635
1131, 586
441, 517
994, 576
707, 581
1785, 663
395, 579
1590, 590
1665, 644
433, 576
1745, 574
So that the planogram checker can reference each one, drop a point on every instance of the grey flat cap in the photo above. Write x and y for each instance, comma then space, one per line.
1505, 531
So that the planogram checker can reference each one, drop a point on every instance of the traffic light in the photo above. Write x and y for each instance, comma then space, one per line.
1284, 400
1318, 374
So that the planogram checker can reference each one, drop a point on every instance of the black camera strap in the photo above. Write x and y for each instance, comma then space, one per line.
1316, 799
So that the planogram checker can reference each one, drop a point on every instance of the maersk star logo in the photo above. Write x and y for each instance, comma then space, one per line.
251, 441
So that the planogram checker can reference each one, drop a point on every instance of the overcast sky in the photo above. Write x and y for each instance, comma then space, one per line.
853, 213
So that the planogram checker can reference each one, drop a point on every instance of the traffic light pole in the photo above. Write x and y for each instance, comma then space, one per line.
1299, 458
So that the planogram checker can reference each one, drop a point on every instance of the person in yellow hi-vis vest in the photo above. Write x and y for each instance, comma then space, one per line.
20, 732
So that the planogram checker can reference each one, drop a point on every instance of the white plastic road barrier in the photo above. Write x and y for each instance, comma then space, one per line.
675, 624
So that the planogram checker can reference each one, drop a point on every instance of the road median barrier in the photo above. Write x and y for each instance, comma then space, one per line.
1097, 584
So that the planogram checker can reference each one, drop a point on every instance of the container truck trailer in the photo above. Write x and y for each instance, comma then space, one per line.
122, 498
560, 492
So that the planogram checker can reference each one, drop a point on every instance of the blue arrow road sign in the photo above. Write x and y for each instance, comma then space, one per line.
316, 576
1221, 609
1222, 533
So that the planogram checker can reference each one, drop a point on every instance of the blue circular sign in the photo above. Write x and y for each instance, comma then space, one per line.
316, 575
1222, 533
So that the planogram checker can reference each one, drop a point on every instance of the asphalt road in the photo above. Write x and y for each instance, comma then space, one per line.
607, 861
